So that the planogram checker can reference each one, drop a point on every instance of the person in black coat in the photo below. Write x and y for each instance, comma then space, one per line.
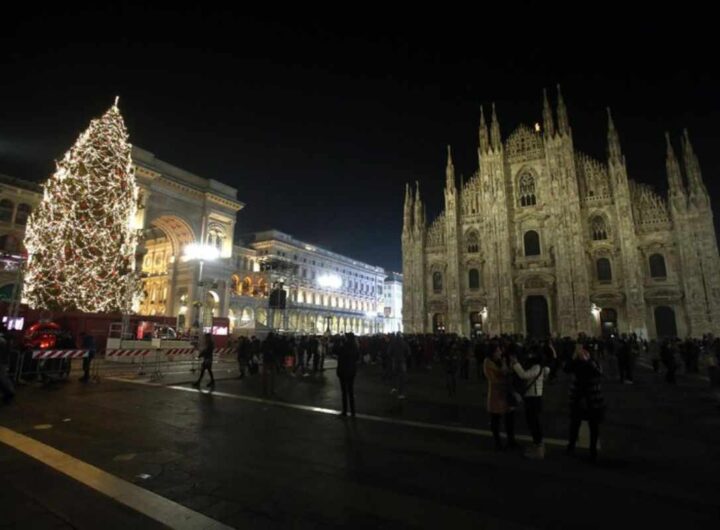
207, 356
348, 357
586, 398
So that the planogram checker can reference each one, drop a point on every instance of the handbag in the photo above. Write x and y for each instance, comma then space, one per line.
518, 389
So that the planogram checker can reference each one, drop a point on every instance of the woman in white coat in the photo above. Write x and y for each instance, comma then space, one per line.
533, 377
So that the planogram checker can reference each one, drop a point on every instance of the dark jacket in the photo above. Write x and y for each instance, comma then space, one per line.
347, 359
207, 352
586, 397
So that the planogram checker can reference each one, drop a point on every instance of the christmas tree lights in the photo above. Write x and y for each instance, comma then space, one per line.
80, 239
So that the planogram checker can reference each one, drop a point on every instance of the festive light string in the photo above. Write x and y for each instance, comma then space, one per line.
80, 239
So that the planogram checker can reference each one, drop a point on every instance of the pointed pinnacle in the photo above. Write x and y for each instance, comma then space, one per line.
117, 99
686, 138
482, 116
449, 158
611, 124
670, 150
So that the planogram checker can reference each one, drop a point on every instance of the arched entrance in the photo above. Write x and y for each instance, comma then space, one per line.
164, 241
438, 323
665, 324
537, 318
608, 322
475, 323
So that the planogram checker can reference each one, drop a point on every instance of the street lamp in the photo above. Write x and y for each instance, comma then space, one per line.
202, 253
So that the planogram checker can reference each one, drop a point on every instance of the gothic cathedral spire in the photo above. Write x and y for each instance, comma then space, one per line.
408, 211
449, 173
548, 122
615, 155
419, 218
495, 140
676, 190
483, 134
696, 187
562, 117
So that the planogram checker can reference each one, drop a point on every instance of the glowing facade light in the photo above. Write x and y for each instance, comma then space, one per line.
595, 310
330, 281
200, 251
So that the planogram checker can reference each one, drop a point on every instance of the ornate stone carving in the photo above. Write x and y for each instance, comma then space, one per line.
524, 144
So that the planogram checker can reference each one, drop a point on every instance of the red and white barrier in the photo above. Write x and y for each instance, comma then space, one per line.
58, 354
178, 351
126, 353
223, 351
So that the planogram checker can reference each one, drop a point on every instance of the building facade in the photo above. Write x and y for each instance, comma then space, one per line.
324, 290
18, 198
393, 303
545, 240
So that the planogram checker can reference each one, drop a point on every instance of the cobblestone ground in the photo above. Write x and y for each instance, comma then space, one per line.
257, 464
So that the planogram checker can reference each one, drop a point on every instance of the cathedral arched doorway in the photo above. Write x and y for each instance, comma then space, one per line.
537, 317
475, 323
608, 322
665, 324
438, 323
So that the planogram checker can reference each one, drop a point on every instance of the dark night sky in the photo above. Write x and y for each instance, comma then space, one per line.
319, 120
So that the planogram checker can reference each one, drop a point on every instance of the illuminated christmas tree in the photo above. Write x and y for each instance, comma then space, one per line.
80, 239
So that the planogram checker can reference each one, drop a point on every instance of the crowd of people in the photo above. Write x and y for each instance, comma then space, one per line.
516, 369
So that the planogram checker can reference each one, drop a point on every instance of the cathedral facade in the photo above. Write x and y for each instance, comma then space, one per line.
545, 240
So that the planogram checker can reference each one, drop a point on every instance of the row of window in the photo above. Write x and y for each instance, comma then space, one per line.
531, 239
321, 264
603, 270
7, 209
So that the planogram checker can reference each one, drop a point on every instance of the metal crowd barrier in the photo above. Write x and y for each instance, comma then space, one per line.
45, 366
155, 362
48, 366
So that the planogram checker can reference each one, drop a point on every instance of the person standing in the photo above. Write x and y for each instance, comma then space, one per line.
668, 359
87, 342
243, 355
496, 372
6, 385
586, 398
399, 351
207, 356
268, 365
533, 377
348, 357
451, 366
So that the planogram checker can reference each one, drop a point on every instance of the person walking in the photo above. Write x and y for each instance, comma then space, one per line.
496, 372
533, 377
347, 361
586, 398
207, 356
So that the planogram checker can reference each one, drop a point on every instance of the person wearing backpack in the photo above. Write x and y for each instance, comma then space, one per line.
532, 378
